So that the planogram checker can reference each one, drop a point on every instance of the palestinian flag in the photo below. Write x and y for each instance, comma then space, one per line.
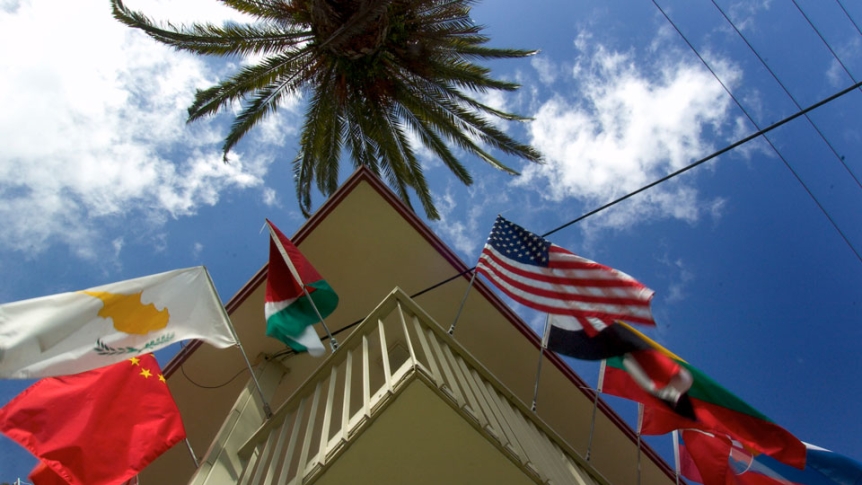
653, 368
715, 409
290, 315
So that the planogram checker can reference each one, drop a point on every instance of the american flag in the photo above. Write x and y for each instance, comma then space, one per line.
548, 278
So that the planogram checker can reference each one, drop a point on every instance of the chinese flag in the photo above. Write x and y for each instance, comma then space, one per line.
42, 475
98, 427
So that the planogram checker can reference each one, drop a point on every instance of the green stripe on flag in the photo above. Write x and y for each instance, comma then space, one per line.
291, 322
707, 390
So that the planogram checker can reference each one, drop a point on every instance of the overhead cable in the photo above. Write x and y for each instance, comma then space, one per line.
774, 148
847, 14
789, 95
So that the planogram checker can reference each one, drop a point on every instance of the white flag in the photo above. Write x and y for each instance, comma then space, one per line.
83, 330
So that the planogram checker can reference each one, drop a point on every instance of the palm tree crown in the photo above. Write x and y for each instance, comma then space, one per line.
376, 71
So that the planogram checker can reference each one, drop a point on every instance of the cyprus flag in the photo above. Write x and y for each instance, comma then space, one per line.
83, 330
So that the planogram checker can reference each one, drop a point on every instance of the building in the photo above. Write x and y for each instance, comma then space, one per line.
400, 401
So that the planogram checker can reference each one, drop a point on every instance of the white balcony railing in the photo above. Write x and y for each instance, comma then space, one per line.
395, 345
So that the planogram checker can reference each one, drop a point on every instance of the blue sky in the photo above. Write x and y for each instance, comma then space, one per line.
101, 179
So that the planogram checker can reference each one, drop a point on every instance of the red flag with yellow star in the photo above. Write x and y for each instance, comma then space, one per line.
98, 427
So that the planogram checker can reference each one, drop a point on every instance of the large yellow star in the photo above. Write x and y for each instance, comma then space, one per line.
135, 361
146, 373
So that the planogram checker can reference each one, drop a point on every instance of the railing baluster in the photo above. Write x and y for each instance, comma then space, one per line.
504, 429
248, 471
528, 437
423, 341
366, 379
265, 454
291, 445
407, 338
450, 379
345, 409
309, 434
327, 415
384, 355
462, 383
492, 422
280, 431
481, 406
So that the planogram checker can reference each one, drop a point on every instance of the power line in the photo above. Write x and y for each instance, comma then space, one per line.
789, 95
823, 39
713, 155
217, 386
847, 14
751, 120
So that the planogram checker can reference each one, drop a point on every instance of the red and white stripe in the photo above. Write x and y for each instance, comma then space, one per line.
570, 285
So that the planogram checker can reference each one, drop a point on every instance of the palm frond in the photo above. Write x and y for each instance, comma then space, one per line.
208, 39
264, 9
292, 66
264, 102
431, 140
377, 71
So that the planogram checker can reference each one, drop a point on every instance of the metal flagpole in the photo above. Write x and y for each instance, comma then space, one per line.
192, 452
676, 454
333, 344
463, 300
541, 355
595, 407
266, 409
640, 424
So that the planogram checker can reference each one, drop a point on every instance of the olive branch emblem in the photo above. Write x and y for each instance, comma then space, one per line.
104, 349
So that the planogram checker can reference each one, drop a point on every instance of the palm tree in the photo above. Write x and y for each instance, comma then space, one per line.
374, 71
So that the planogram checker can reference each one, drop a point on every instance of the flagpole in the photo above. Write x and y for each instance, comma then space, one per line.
333, 344
463, 301
640, 424
192, 452
541, 355
595, 407
266, 409
676, 454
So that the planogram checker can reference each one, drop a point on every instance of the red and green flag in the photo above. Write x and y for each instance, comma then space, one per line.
656, 371
297, 296
715, 410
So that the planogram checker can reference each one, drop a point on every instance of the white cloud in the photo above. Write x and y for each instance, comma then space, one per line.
465, 223
94, 125
10, 6
546, 69
451, 226
628, 125
197, 249
270, 197
118, 246
680, 277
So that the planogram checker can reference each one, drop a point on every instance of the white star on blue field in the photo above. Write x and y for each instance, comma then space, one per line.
754, 255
